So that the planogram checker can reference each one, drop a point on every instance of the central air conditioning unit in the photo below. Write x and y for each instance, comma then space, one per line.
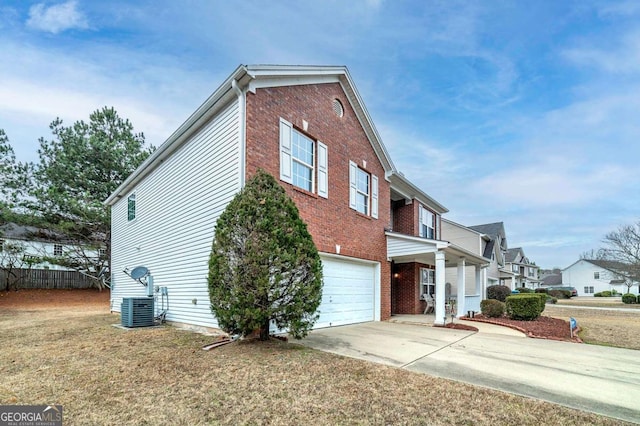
137, 312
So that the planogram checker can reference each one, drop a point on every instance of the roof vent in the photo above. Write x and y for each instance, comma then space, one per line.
337, 108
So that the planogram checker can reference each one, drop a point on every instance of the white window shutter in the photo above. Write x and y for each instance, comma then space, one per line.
437, 236
323, 170
353, 175
285, 151
374, 196
420, 219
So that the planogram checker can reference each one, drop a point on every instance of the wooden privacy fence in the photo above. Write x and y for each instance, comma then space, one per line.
43, 278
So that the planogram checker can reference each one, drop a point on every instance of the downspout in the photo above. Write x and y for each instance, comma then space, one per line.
243, 130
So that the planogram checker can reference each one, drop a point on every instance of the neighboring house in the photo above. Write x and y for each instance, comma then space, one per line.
551, 280
34, 244
593, 276
479, 244
496, 250
526, 272
377, 233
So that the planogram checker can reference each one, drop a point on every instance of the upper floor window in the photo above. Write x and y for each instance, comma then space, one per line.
363, 191
596, 275
515, 268
131, 207
427, 223
57, 249
530, 272
303, 161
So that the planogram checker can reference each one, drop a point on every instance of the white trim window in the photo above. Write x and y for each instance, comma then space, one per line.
427, 223
302, 160
596, 275
515, 268
363, 191
427, 281
131, 207
57, 249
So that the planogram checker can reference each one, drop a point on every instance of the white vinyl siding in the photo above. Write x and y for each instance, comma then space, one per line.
363, 191
178, 205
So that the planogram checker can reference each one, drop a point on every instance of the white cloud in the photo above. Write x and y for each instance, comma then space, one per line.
56, 18
621, 56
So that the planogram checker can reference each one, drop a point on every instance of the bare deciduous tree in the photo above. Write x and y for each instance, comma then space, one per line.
623, 250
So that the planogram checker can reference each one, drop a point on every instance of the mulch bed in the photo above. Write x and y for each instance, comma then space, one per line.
457, 326
542, 328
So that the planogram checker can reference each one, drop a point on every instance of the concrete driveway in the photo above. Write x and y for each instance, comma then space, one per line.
598, 379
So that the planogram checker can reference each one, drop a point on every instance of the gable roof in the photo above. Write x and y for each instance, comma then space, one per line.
407, 189
512, 254
249, 78
491, 229
610, 265
553, 279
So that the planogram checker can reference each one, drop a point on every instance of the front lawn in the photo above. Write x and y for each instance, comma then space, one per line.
105, 375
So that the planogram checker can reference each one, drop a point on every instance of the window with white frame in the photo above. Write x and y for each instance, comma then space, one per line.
596, 275
427, 223
427, 281
363, 191
102, 252
131, 207
57, 249
303, 161
530, 271
515, 268
588, 289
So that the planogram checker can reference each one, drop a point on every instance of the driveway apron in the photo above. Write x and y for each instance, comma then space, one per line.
598, 379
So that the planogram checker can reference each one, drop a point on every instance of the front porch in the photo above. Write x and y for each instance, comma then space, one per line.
418, 271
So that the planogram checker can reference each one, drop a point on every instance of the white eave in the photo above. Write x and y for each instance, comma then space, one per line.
249, 78
402, 246
407, 189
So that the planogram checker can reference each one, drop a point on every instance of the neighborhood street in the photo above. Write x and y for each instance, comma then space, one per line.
599, 379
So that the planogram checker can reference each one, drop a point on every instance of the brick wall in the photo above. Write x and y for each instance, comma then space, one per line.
406, 288
330, 221
405, 219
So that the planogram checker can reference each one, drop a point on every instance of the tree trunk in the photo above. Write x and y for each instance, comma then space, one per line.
264, 330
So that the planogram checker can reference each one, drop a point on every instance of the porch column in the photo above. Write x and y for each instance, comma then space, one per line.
461, 287
479, 280
440, 270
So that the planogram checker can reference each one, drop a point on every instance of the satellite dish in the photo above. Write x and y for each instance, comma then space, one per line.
139, 272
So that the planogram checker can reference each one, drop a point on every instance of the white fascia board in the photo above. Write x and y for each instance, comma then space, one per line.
471, 257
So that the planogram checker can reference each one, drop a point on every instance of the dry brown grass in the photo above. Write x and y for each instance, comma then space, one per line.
105, 375
603, 327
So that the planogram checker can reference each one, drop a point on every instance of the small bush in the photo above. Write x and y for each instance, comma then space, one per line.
498, 292
614, 292
551, 300
560, 294
628, 298
524, 307
638, 298
605, 293
541, 290
492, 308
524, 290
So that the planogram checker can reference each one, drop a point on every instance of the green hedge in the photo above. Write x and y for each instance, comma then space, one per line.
525, 307
551, 300
498, 292
541, 290
629, 298
492, 308
524, 290
605, 293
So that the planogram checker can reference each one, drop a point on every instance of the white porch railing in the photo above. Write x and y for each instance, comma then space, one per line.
472, 303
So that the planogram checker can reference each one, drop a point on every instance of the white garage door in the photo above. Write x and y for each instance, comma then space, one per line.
348, 295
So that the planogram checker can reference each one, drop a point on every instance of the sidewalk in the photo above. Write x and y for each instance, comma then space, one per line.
428, 319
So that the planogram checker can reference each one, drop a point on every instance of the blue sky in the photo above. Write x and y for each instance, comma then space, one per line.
521, 112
